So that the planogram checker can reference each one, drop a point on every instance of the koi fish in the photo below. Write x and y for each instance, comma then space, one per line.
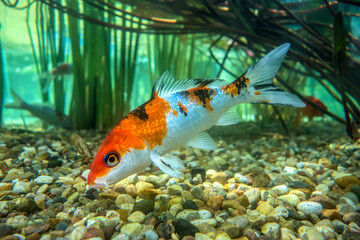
178, 113
45, 113
309, 111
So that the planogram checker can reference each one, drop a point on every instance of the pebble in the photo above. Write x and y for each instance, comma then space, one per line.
131, 229
136, 217
310, 207
267, 188
44, 179
271, 230
280, 190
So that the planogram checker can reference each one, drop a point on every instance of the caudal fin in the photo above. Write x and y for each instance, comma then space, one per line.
259, 80
17, 101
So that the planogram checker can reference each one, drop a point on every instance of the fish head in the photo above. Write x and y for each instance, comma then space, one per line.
121, 154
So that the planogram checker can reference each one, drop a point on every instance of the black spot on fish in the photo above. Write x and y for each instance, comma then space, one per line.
167, 164
140, 113
182, 109
203, 95
268, 85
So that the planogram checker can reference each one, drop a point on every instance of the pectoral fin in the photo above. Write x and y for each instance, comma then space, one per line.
228, 118
169, 165
203, 141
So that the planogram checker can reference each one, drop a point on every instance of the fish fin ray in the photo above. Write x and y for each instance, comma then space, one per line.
167, 84
17, 103
261, 75
169, 165
228, 118
204, 141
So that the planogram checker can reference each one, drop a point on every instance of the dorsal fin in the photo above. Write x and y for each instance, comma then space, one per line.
167, 84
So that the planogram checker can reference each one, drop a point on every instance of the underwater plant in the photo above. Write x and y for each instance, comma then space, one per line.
311, 27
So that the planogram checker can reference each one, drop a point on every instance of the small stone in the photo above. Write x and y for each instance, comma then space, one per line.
78, 232
109, 195
131, 229
253, 195
201, 236
222, 236
149, 193
189, 204
94, 233
136, 217
197, 192
325, 201
290, 198
352, 196
215, 202
151, 235
345, 206
241, 221
322, 188
231, 229
261, 181
174, 190
312, 233
332, 214
265, 208
219, 177
44, 179
26, 205
297, 184
234, 204
280, 190
22, 187
62, 226
123, 198
164, 230
146, 206
205, 214
188, 214
347, 180
185, 228
140, 186
271, 230
279, 211
6, 186
310, 207
352, 217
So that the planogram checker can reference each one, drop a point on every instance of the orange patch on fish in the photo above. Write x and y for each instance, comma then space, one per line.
257, 93
233, 89
148, 121
182, 108
175, 112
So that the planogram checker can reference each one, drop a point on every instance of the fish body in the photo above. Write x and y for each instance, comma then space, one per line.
43, 112
179, 113
62, 69
309, 111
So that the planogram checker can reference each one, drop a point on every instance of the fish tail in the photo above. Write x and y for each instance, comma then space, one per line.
17, 103
258, 81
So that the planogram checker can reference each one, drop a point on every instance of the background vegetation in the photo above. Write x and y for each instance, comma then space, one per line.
118, 48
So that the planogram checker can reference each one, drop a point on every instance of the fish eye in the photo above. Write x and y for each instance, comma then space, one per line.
111, 159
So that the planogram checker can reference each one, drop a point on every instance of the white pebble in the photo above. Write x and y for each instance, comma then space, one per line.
310, 207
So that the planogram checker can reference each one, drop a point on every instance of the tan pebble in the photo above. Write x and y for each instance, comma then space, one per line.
215, 202
199, 203
219, 177
347, 180
222, 236
131, 190
332, 214
5, 187
143, 185
176, 200
234, 204
244, 200
124, 214
109, 195
265, 208
149, 193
